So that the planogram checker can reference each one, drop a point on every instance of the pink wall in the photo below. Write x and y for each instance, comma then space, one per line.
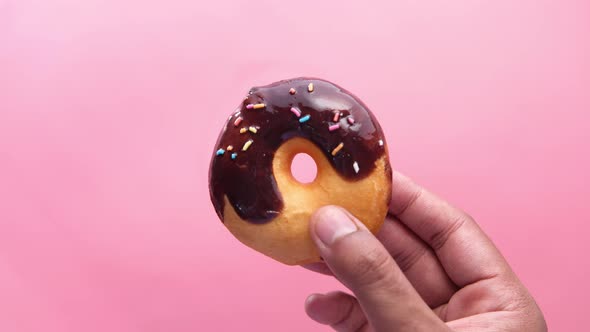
109, 111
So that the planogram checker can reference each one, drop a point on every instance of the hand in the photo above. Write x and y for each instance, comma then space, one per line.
431, 268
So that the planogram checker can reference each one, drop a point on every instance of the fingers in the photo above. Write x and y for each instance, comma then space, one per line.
361, 262
339, 310
465, 252
499, 321
418, 262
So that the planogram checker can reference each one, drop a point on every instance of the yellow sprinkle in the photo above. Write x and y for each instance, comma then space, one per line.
310, 87
230, 147
337, 149
243, 130
258, 106
253, 130
247, 145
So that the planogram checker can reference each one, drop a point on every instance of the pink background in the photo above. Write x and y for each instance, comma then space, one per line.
109, 111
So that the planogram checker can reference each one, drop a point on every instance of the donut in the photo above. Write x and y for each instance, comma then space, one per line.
250, 181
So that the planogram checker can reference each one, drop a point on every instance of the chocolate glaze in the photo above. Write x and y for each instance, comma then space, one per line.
248, 180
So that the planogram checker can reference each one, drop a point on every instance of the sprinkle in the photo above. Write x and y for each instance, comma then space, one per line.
337, 149
230, 147
310, 87
336, 117
296, 111
334, 127
243, 130
253, 129
356, 167
250, 106
351, 120
259, 106
380, 142
292, 91
305, 118
220, 152
234, 156
238, 121
247, 145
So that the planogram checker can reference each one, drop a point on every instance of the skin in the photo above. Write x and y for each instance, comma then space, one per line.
430, 268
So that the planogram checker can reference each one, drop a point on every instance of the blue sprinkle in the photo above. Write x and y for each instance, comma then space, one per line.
220, 152
234, 156
305, 118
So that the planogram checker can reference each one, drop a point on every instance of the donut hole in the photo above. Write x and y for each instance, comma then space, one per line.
303, 168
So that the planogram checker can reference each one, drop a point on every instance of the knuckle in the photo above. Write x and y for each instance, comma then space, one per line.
407, 204
468, 217
372, 266
440, 237
406, 259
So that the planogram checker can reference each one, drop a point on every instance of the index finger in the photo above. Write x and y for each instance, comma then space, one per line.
464, 250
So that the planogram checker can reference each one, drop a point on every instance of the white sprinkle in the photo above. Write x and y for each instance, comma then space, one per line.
356, 167
380, 142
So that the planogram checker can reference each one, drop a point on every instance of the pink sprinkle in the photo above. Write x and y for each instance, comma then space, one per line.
250, 106
334, 127
350, 120
238, 121
336, 117
296, 111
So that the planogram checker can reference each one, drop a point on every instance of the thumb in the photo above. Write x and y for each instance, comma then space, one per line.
362, 264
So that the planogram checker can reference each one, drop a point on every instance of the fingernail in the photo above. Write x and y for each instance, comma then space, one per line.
331, 223
310, 299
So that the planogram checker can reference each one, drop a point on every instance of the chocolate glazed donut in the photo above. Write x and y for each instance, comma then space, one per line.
250, 181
